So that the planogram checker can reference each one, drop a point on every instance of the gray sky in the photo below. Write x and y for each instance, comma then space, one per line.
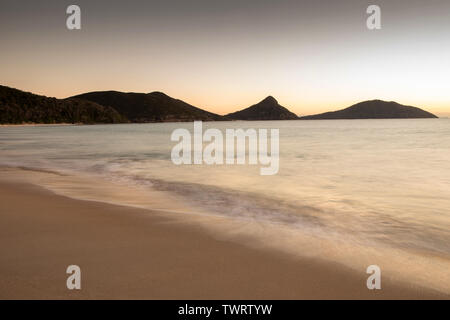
313, 56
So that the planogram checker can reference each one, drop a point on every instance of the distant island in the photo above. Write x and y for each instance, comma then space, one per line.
373, 109
18, 107
267, 109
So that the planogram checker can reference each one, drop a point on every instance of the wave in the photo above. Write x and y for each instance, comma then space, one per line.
354, 223
270, 221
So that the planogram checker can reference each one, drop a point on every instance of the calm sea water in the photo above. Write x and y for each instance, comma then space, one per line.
373, 183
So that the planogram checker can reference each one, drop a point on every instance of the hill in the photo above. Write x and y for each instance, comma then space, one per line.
374, 109
149, 107
267, 109
18, 107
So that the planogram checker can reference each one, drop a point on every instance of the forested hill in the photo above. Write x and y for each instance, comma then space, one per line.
149, 107
17, 107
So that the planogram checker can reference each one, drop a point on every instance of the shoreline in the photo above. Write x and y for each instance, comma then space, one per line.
190, 121
40, 124
132, 253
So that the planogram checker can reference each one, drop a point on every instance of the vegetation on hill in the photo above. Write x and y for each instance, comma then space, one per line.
18, 107
149, 107
374, 109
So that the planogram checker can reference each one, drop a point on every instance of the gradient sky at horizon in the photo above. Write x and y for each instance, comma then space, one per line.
313, 56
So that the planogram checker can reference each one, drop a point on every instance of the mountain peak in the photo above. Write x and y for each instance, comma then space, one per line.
374, 109
270, 99
158, 93
267, 109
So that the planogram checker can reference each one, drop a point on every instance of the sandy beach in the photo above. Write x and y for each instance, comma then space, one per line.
130, 253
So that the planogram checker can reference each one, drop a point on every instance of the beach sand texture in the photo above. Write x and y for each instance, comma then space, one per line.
132, 253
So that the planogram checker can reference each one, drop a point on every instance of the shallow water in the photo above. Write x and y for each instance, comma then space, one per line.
382, 185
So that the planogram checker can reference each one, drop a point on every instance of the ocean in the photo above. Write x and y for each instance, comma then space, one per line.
356, 192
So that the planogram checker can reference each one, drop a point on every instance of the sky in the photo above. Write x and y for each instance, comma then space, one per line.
312, 56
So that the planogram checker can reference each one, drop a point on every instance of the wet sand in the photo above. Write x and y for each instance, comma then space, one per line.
130, 253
